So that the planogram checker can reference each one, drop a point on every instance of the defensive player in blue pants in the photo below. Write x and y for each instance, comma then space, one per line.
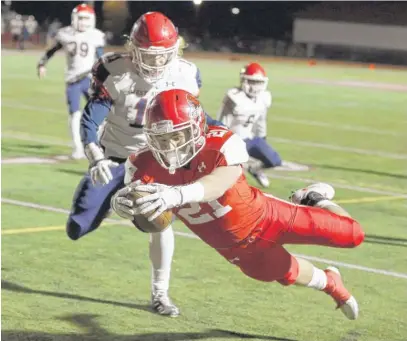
111, 128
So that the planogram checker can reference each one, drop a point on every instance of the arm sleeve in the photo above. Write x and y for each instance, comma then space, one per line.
98, 106
198, 78
49, 53
96, 110
99, 51
212, 122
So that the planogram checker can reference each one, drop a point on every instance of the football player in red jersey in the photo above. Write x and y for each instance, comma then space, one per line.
196, 171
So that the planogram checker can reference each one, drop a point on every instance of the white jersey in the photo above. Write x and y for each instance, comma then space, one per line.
80, 49
16, 26
122, 132
245, 116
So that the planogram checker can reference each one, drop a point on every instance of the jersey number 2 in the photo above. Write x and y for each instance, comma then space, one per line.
218, 212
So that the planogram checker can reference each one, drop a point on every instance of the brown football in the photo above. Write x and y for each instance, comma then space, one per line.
159, 224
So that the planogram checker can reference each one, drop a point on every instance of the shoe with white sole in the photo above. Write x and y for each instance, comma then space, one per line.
336, 289
312, 194
162, 304
260, 176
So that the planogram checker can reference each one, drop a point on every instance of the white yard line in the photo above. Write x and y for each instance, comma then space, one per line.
190, 235
311, 123
352, 150
335, 126
54, 142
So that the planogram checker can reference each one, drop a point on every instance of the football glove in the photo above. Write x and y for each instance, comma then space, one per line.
100, 172
161, 199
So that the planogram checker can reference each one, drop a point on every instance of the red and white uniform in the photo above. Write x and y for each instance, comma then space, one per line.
245, 225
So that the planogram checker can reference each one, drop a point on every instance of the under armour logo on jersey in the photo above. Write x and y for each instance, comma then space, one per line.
201, 167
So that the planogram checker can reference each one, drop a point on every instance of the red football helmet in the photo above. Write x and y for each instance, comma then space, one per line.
175, 128
253, 79
83, 18
153, 43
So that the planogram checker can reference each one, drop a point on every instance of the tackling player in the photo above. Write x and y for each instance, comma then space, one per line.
83, 44
112, 128
195, 170
244, 111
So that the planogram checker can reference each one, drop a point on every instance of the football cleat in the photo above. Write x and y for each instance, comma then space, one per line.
336, 289
162, 304
312, 194
260, 176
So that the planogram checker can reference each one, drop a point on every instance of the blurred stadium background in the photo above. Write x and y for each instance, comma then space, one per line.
364, 31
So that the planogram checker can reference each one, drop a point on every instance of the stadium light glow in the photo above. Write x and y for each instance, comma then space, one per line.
197, 2
235, 10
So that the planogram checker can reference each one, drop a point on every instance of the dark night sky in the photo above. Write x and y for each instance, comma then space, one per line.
263, 19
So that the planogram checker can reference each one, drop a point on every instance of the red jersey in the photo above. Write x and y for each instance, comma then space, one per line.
221, 223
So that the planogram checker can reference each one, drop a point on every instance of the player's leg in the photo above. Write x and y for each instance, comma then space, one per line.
323, 223
161, 253
85, 85
265, 157
73, 97
312, 225
261, 150
91, 204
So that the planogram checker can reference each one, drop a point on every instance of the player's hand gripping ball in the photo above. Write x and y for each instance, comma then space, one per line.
159, 224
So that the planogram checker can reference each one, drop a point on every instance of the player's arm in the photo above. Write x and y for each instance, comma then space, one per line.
99, 51
198, 79
95, 112
100, 42
212, 122
47, 56
226, 111
210, 187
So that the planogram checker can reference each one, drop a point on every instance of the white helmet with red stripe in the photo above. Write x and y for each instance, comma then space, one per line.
253, 79
83, 18
153, 44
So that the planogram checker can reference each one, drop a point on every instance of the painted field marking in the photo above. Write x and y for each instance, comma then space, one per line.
379, 153
313, 123
190, 235
370, 199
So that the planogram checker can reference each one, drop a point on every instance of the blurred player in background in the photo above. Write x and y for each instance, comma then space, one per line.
83, 44
16, 28
196, 171
123, 84
244, 111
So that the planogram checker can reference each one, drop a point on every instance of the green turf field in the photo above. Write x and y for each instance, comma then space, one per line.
351, 134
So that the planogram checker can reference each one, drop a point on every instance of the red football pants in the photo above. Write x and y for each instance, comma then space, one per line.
262, 255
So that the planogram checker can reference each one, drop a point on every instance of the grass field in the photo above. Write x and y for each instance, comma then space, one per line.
347, 123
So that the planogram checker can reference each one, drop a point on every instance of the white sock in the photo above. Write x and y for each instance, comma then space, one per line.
318, 280
75, 128
161, 252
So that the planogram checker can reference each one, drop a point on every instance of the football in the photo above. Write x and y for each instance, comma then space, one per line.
159, 224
